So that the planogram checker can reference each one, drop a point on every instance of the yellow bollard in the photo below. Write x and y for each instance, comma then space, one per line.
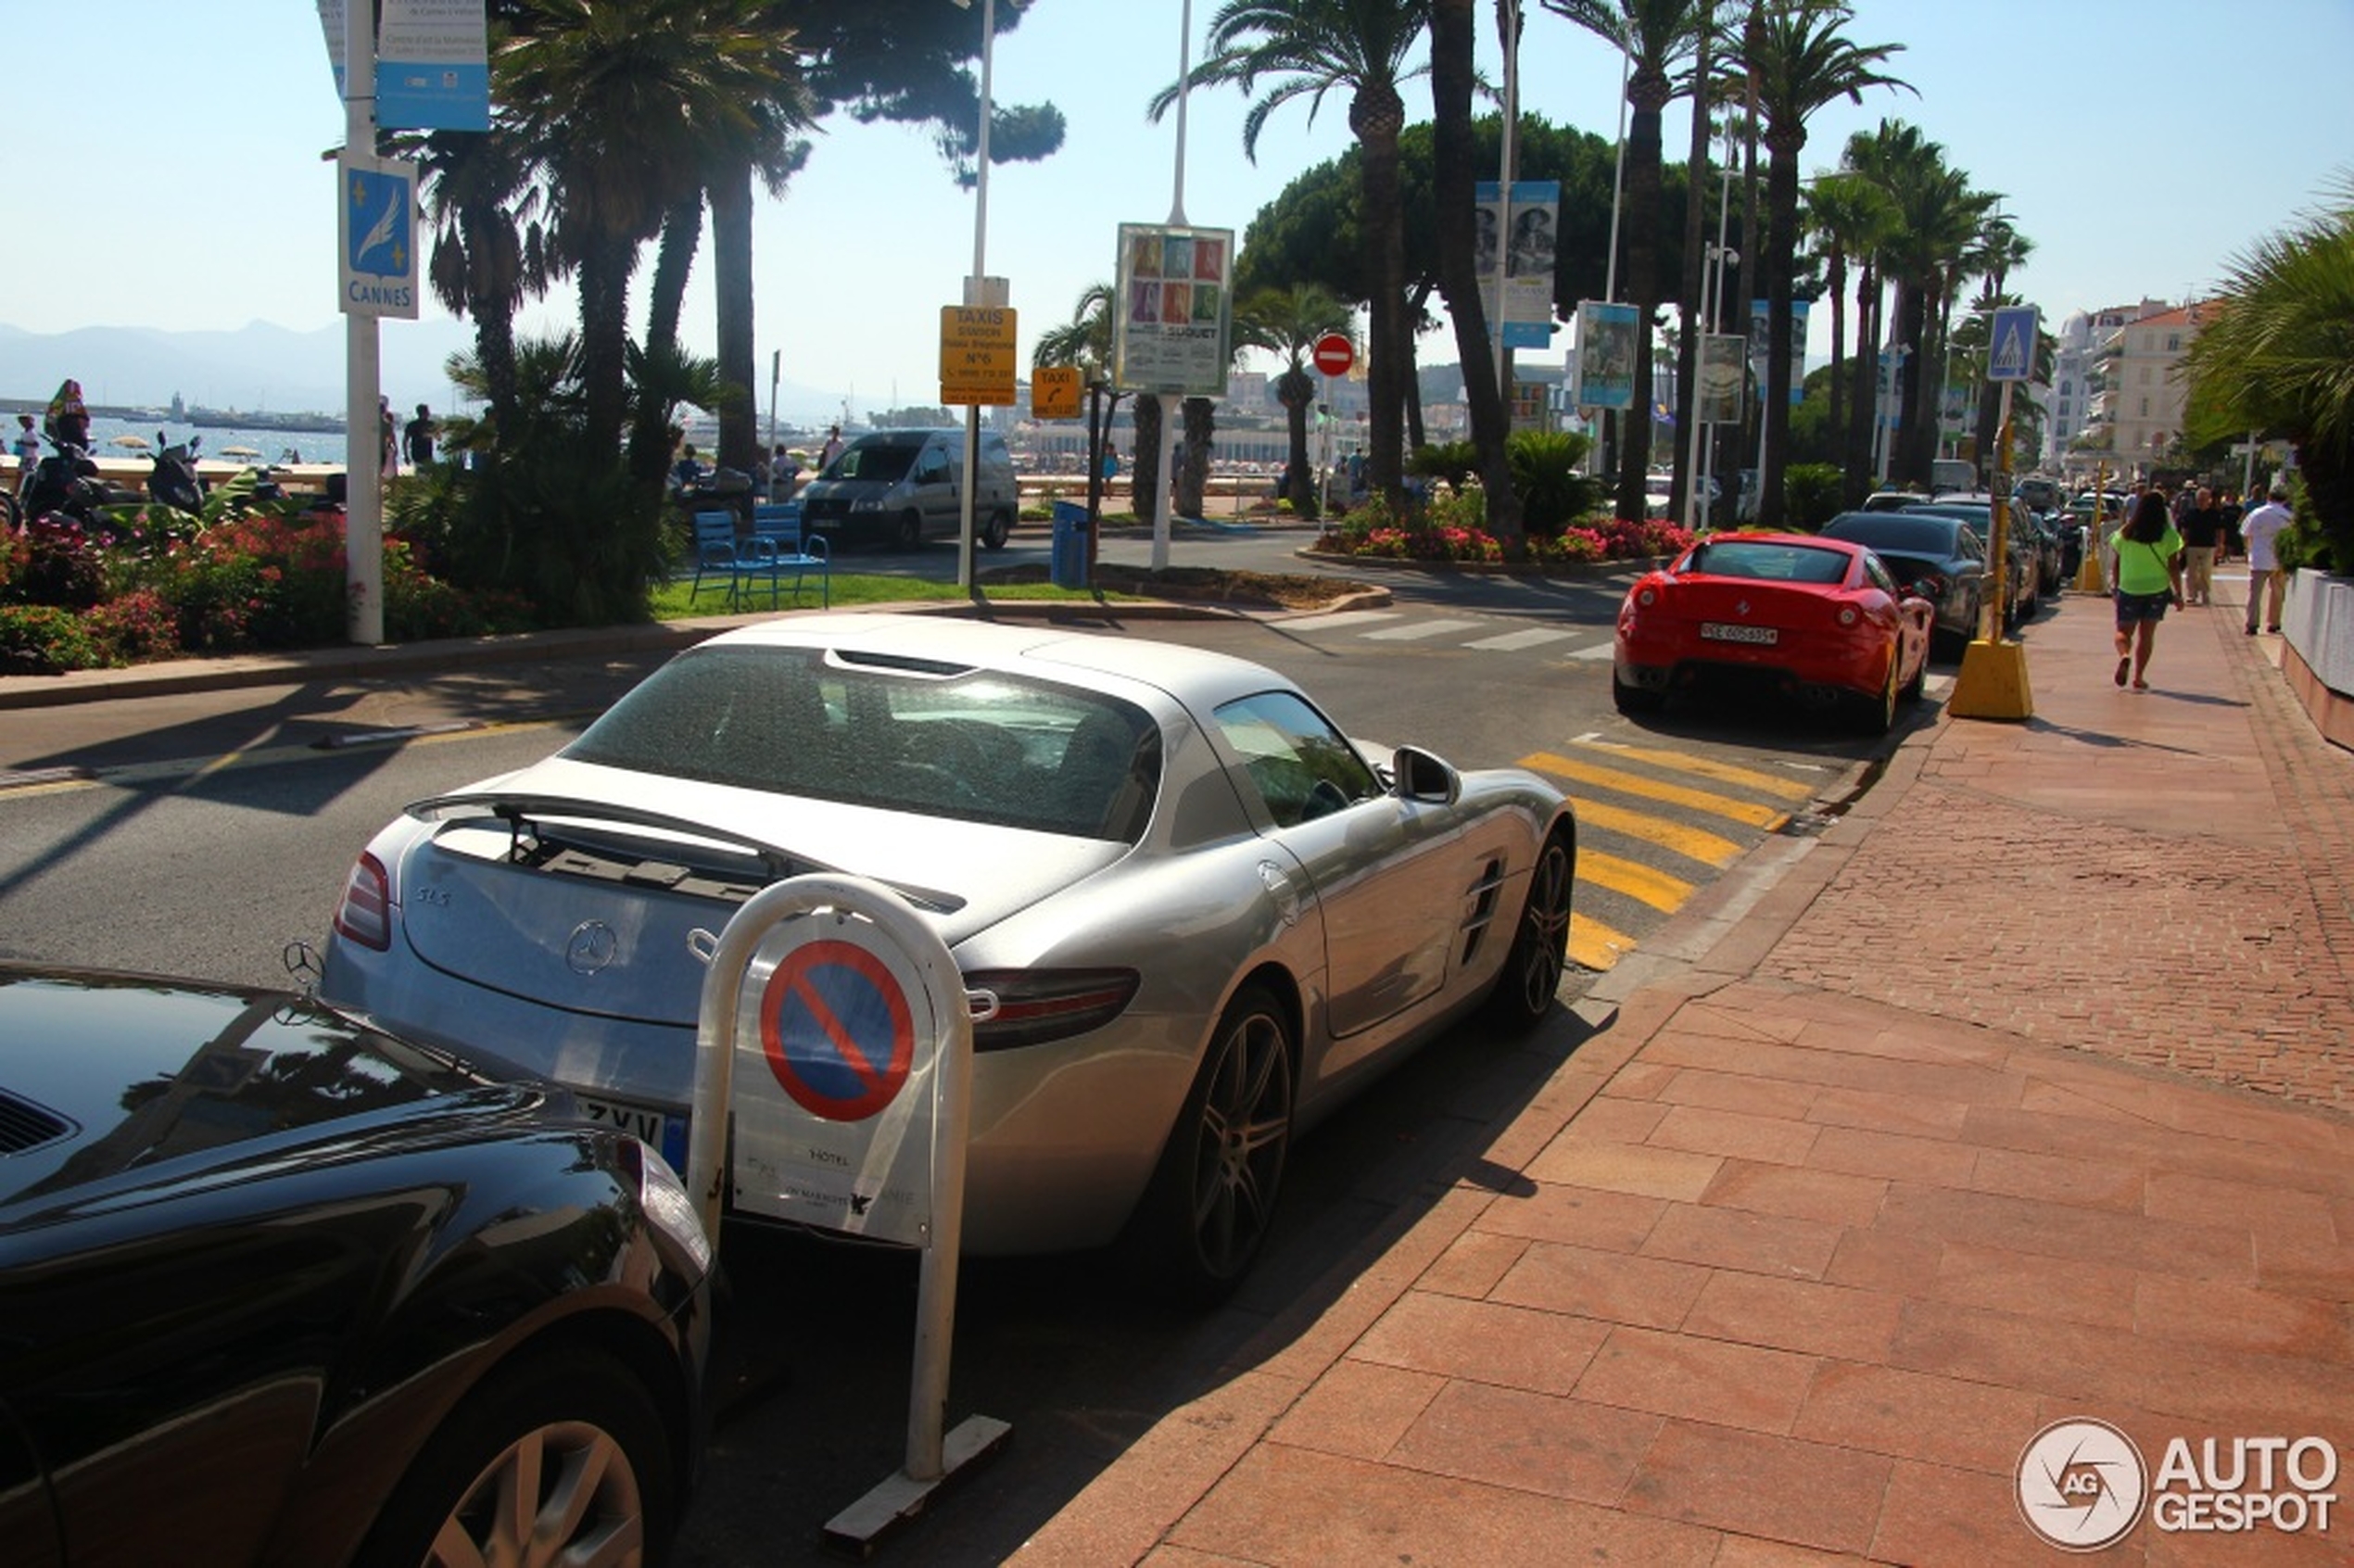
1992, 683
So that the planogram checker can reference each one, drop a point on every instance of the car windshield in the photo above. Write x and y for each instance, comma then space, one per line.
885, 461
894, 734
1738, 557
1894, 532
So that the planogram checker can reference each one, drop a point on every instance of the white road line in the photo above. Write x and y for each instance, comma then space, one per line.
1534, 637
1602, 650
1418, 631
1344, 618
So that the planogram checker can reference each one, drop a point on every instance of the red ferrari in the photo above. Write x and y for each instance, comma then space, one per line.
1819, 619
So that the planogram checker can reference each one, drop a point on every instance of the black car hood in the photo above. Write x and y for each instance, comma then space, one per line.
101, 1073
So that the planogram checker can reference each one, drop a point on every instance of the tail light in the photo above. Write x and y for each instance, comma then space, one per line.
365, 913
1014, 1007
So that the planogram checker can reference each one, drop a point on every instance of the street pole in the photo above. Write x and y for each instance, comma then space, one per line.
977, 293
1173, 410
1510, 17
363, 424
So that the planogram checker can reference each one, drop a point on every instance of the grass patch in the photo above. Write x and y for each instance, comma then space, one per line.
1199, 584
855, 589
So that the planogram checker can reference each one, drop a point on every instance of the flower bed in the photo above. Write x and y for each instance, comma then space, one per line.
1442, 533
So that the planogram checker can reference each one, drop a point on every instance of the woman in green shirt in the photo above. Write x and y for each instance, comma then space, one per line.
2149, 577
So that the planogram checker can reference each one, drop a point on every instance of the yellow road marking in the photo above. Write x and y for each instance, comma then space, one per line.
1693, 844
1709, 767
1764, 818
1640, 883
1594, 945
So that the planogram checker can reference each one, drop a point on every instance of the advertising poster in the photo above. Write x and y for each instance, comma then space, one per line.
1172, 328
1605, 355
1758, 329
1521, 235
1722, 377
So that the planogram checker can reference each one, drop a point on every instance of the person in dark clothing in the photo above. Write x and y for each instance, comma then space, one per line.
418, 439
2202, 529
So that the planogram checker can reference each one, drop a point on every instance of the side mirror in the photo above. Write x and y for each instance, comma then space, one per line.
1419, 775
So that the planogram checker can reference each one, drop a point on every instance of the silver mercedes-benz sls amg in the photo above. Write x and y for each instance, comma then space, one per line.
1190, 913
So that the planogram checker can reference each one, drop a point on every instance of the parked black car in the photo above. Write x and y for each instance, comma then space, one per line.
1944, 556
278, 1288
2034, 558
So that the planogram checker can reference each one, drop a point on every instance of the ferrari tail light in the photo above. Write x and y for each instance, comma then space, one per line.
365, 913
1014, 1007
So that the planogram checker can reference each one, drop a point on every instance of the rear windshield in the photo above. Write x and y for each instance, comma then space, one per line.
1775, 563
938, 740
1895, 533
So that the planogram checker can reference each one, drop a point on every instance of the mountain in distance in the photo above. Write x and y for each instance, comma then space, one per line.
266, 368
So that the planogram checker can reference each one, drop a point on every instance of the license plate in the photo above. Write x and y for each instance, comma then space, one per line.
643, 1122
1721, 631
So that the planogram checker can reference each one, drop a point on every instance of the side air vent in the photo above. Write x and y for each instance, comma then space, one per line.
1479, 908
24, 1125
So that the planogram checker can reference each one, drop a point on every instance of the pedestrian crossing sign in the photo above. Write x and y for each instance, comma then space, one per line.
2013, 355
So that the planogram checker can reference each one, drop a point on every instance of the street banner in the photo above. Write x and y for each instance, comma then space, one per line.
1605, 355
1721, 377
433, 66
1529, 257
1173, 321
377, 235
1760, 324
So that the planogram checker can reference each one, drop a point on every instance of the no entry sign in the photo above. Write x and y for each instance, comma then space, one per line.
1334, 354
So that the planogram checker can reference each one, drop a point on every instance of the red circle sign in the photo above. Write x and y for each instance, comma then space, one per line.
836, 1029
1334, 354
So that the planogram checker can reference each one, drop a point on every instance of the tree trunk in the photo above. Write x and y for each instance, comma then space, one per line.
1376, 116
1296, 390
1695, 332
1640, 217
1144, 468
1193, 456
1450, 46
1781, 204
731, 280
1863, 415
604, 337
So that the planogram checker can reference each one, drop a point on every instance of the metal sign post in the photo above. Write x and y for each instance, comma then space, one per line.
1992, 683
858, 1007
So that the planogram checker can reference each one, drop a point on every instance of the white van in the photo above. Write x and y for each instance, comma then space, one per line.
904, 487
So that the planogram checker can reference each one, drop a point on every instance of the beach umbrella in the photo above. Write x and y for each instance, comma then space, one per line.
136, 443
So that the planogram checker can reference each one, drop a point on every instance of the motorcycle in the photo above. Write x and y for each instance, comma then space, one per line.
66, 484
173, 481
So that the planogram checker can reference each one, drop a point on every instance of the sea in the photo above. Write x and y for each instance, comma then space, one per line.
217, 443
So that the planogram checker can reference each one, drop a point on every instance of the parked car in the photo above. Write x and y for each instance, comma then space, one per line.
1822, 620
1191, 913
2034, 560
279, 1288
1942, 557
904, 487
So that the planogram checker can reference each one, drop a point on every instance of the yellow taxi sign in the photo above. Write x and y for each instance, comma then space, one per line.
978, 363
1054, 392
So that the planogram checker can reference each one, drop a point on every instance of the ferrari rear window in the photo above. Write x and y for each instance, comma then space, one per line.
1772, 562
938, 740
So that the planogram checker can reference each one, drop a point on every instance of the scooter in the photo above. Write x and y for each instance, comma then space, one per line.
66, 484
174, 480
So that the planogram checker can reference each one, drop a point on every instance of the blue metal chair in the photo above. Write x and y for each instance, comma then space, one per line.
791, 549
720, 554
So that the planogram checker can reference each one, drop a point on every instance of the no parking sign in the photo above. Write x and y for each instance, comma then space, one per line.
841, 1018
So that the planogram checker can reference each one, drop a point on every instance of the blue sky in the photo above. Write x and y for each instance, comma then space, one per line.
2141, 144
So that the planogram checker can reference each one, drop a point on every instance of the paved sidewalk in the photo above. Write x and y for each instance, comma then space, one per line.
2020, 1095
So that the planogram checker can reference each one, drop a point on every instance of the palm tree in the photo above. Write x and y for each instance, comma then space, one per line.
1847, 215
1800, 61
488, 255
1455, 193
1307, 49
2275, 356
1085, 341
1658, 37
1287, 321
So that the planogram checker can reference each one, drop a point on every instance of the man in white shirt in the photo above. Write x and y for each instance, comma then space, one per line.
2265, 581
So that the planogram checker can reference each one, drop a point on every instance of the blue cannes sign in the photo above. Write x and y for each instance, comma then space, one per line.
376, 225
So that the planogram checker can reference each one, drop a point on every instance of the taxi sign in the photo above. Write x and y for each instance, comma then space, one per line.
978, 363
1054, 392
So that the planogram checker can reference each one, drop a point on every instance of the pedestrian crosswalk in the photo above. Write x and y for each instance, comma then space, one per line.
1653, 825
1645, 814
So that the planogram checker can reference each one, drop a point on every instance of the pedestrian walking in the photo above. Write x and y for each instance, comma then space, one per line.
832, 448
28, 450
2111, 527
418, 439
2260, 531
2149, 577
391, 428
2202, 531
68, 420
